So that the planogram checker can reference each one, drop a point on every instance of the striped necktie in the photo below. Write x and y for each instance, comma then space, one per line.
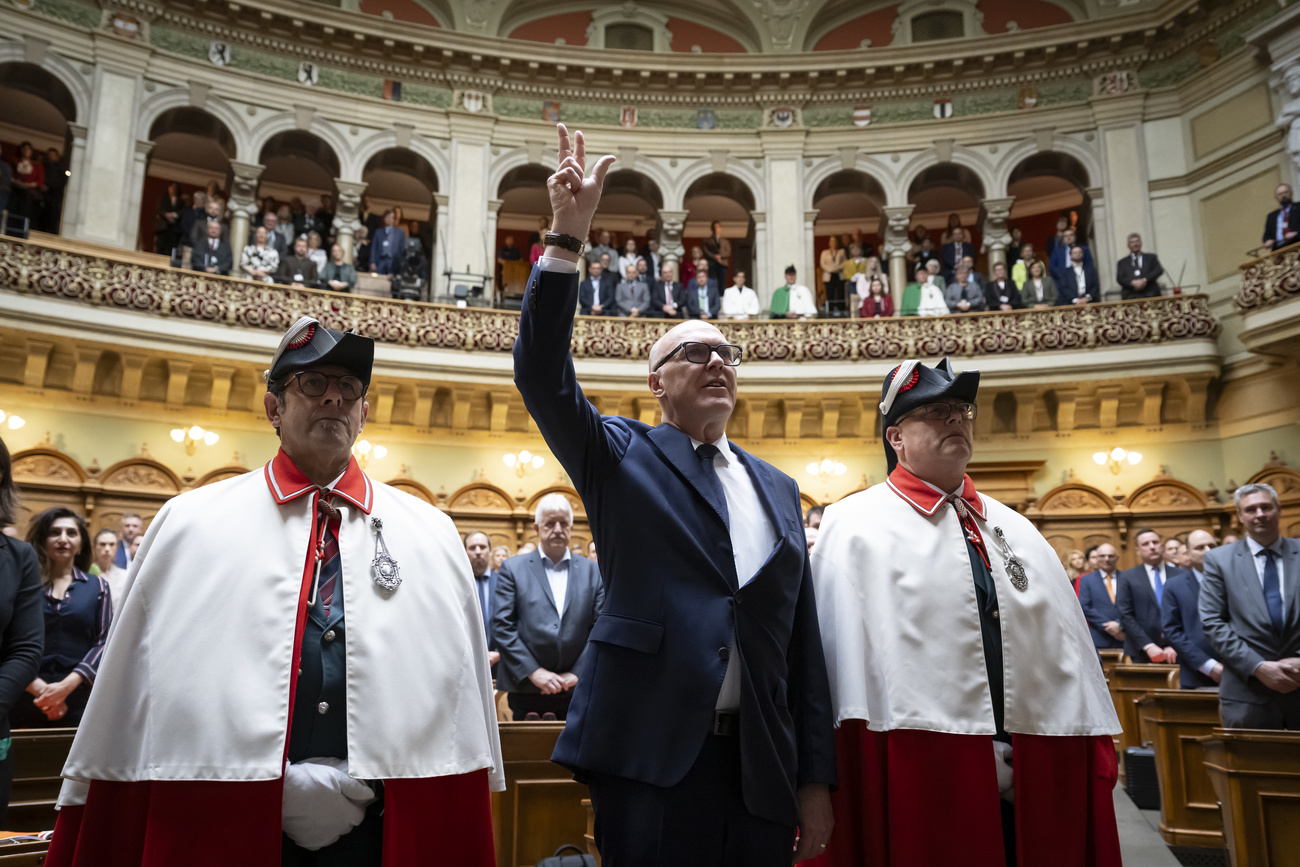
331, 567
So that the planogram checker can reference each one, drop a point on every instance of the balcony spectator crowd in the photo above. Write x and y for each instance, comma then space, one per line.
31, 190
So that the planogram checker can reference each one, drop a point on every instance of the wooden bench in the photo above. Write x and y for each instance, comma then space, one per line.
1180, 720
1256, 775
541, 808
23, 854
39, 756
1128, 683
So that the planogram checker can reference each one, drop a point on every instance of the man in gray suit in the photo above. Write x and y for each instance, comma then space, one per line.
632, 295
545, 605
1251, 617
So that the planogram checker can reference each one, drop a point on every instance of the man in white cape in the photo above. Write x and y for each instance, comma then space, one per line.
973, 719
299, 673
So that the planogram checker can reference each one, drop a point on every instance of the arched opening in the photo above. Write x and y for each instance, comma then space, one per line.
398, 178
38, 108
726, 200
298, 180
525, 210
849, 207
629, 212
191, 149
1048, 186
946, 196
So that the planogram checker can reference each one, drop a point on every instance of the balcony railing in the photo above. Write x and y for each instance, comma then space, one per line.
1269, 280
71, 272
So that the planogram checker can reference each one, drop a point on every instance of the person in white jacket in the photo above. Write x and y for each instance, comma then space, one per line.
739, 301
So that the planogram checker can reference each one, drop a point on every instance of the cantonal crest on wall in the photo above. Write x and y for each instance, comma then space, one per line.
783, 117
308, 73
219, 53
627, 116
943, 108
551, 112
705, 118
473, 100
862, 115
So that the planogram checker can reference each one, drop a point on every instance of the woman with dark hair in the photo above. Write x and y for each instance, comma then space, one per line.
78, 609
28, 182
21, 629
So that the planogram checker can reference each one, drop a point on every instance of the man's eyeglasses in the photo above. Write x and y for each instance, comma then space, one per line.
314, 383
944, 411
700, 353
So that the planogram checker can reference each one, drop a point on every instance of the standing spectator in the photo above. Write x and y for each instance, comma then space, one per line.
1062, 257
600, 249
508, 252
702, 300
388, 247
103, 548
1020, 270
1097, 592
956, 250
1141, 590
1248, 621
1078, 284
539, 244
78, 611
337, 274
975, 276
1180, 617
1013, 249
654, 263
1055, 240
792, 300
477, 547
1040, 289
1174, 551
259, 261
500, 554
213, 254
323, 219
876, 303
1000, 293
361, 249
298, 270
191, 215
369, 217
631, 296
56, 183
199, 234
925, 253
832, 265
545, 605
298, 216
717, 250
1075, 564
855, 264
1137, 272
667, 296
132, 527
1283, 225
22, 629
167, 225
739, 301
594, 295
6, 184
28, 183
963, 295
630, 256
314, 251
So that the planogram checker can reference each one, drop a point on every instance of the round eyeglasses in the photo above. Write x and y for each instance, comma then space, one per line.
313, 383
944, 411
700, 353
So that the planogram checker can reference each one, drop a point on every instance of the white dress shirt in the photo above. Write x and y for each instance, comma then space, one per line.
557, 575
1080, 283
801, 300
742, 302
1255, 548
752, 539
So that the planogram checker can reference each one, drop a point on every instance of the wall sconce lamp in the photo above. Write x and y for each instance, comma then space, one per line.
827, 469
1116, 458
12, 421
523, 462
364, 450
192, 437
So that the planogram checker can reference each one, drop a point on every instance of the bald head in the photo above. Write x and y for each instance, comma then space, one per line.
691, 329
1199, 543
697, 397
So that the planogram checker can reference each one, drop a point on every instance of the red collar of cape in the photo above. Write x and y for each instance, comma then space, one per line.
287, 482
927, 499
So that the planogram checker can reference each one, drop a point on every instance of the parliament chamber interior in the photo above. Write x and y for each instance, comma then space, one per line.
838, 185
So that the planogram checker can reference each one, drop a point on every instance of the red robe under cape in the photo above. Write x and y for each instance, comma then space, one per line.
911, 798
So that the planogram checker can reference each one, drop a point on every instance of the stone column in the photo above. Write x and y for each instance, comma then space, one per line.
490, 242
789, 234
437, 255
807, 266
1120, 128
671, 226
130, 231
346, 209
471, 135
77, 175
762, 276
896, 243
996, 234
243, 203
1280, 39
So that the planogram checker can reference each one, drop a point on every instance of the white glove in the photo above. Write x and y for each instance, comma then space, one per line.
321, 802
1002, 763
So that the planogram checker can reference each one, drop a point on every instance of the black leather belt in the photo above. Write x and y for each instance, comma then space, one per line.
726, 724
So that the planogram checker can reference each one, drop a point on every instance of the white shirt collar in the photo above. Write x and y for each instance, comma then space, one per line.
547, 563
724, 448
1255, 547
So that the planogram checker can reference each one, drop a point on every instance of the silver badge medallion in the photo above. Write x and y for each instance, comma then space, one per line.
1015, 569
383, 567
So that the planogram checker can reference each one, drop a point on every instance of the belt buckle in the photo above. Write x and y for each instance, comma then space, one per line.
726, 724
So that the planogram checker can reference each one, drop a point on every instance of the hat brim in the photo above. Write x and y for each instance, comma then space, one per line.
352, 352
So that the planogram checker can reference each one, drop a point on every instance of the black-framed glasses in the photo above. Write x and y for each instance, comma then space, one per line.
313, 383
700, 353
944, 411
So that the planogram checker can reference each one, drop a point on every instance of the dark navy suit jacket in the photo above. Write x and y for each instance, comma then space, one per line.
1098, 610
486, 604
1181, 618
1067, 288
587, 297
1139, 612
692, 294
649, 685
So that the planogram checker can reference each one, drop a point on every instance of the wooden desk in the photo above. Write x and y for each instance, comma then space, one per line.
1128, 683
1180, 720
1110, 659
514, 279
39, 756
541, 808
23, 854
1256, 775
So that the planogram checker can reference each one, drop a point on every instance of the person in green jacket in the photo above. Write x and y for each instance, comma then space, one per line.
793, 300
911, 299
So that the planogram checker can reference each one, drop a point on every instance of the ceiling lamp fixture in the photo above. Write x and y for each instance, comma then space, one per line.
1116, 458
523, 462
192, 437
827, 469
12, 421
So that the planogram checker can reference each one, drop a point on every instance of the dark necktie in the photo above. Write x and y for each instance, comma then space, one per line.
482, 582
706, 452
1159, 583
972, 530
1272, 587
330, 565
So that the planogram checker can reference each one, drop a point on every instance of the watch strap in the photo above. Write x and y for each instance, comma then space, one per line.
564, 242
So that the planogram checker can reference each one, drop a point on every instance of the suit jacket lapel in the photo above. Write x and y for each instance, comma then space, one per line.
676, 447
539, 573
1245, 568
1291, 575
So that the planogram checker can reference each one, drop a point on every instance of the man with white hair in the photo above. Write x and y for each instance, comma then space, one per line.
545, 605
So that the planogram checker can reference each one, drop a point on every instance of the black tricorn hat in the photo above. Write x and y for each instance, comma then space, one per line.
307, 343
912, 385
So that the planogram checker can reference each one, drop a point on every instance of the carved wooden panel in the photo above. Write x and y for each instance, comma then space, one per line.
46, 466
481, 497
1284, 480
142, 474
414, 488
575, 501
1076, 498
220, 475
1164, 494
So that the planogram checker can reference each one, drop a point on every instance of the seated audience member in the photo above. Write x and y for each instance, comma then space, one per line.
545, 605
876, 302
500, 554
854, 265
1078, 284
388, 247
594, 296
739, 301
975, 276
361, 249
314, 251
338, 275
793, 300
1180, 616
702, 298
910, 301
1137, 272
259, 261
211, 214
1062, 257
1000, 293
78, 612
104, 548
629, 258
274, 238
1097, 590
1282, 227
1020, 270
298, 270
963, 295
508, 252
602, 248
953, 252
667, 296
631, 296
212, 255
1040, 289
1258, 644
934, 297
1141, 590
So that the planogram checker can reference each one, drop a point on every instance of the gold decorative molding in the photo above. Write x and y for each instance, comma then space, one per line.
1269, 280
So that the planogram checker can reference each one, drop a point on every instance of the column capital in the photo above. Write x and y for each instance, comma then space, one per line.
1119, 110
441, 200
348, 206
996, 213
895, 237
494, 206
143, 147
759, 218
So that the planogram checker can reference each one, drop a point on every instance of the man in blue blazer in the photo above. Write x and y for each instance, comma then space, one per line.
1058, 258
388, 247
596, 293
1078, 282
1097, 598
954, 252
702, 298
478, 547
1138, 600
546, 603
1181, 618
701, 720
